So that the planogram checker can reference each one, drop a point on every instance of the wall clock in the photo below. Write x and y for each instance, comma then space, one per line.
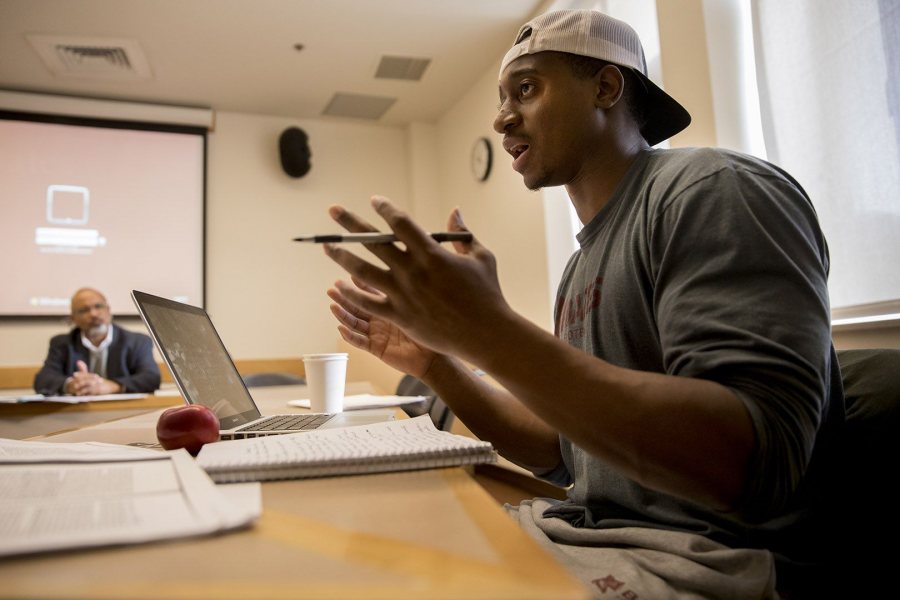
481, 159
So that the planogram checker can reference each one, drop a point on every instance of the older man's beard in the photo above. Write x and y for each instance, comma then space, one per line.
98, 331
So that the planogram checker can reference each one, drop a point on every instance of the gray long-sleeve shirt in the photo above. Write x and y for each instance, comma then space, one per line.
709, 264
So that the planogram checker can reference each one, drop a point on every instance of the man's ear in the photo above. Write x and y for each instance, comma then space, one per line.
610, 86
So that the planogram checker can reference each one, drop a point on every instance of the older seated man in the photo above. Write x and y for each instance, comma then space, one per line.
97, 357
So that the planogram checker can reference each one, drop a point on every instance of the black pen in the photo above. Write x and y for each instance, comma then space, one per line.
379, 238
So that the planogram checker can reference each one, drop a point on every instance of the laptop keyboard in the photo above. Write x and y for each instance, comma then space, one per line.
288, 423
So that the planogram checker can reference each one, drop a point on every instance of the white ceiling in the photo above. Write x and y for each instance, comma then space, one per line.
238, 55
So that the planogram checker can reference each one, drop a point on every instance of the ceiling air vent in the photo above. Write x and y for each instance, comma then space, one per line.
402, 67
358, 106
101, 58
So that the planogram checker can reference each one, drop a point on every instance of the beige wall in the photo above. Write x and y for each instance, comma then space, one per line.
685, 68
265, 292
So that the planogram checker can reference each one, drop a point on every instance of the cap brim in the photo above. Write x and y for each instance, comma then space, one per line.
665, 116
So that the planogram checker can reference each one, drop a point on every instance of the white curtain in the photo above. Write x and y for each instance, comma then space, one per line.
829, 80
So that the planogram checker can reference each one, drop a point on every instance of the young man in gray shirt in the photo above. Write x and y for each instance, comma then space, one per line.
691, 388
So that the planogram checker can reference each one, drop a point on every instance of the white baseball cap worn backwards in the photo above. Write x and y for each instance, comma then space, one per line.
593, 34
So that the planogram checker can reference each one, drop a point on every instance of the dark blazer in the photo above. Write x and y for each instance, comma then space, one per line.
129, 362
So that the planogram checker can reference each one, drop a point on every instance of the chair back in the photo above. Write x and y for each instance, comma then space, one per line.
864, 504
437, 409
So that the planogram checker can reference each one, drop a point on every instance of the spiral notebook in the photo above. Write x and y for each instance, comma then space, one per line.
405, 445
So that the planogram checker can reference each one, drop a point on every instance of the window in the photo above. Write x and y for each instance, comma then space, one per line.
829, 80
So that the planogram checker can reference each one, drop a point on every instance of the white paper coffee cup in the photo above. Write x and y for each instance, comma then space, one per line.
326, 375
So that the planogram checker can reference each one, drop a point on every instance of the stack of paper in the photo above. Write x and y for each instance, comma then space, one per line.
68, 399
57, 496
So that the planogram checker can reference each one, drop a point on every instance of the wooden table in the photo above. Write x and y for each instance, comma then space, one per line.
425, 534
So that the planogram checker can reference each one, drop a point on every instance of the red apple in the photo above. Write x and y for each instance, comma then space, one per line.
187, 427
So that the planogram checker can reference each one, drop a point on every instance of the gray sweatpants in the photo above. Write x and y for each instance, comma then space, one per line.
641, 563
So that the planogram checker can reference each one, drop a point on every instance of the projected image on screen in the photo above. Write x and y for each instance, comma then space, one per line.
110, 208
67, 230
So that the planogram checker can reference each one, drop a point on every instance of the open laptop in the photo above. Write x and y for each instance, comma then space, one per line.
205, 374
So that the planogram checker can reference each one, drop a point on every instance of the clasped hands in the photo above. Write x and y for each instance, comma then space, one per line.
85, 383
427, 300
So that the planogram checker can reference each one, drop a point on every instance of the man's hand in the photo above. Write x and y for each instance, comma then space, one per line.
85, 383
438, 299
378, 336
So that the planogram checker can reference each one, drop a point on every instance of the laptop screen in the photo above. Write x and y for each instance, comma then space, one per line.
197, 358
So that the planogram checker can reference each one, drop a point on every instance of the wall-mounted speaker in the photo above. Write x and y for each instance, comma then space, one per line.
293, 147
